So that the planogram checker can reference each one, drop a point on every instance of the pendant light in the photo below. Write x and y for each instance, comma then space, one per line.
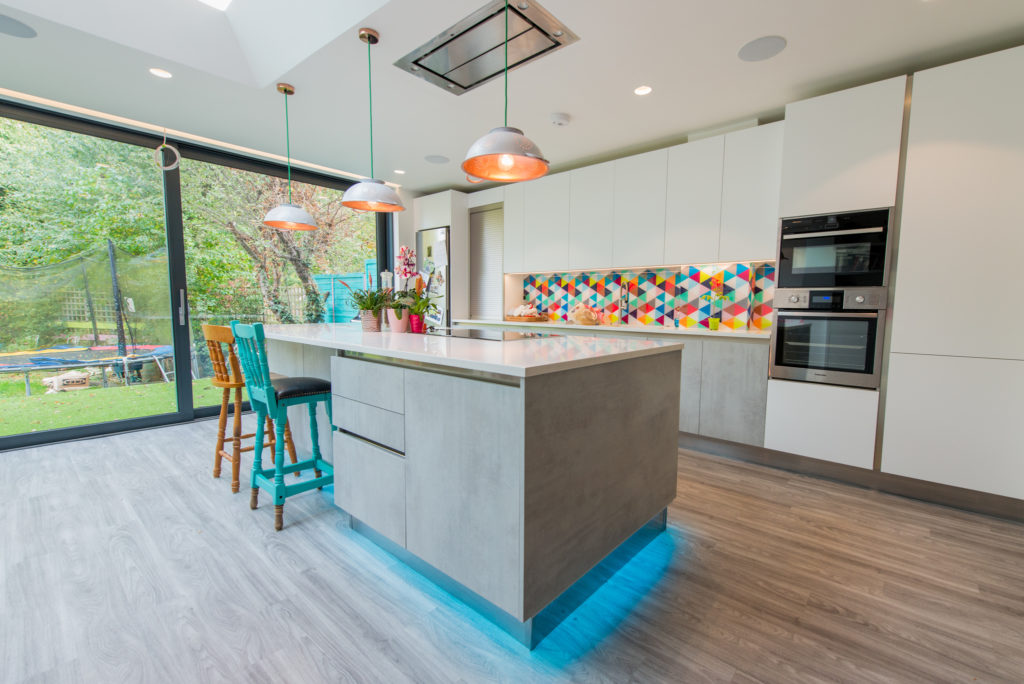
371, 194
288, 216
505, 154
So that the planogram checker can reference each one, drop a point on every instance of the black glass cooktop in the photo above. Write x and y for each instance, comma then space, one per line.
494, 335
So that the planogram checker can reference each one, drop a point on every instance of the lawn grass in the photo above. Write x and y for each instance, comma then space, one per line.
20, 414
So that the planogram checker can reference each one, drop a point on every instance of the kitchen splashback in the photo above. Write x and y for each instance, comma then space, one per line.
673, 297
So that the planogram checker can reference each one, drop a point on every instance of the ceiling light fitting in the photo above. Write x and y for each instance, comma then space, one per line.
12, 27
288, 216
762, 48
643, 90
371, 194
160, 73
505, 154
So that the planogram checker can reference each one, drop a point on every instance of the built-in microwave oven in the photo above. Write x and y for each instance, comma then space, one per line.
829, 336
835, 250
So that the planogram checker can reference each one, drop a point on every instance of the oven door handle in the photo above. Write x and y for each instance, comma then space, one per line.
802, 313
830, 233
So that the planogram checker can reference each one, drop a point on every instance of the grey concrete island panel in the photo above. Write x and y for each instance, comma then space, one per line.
514, 491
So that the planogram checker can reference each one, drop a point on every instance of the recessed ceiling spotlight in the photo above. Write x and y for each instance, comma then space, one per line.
160, 73
400, 172
643, 90
523, 5
762, 48
437, 159
12, 27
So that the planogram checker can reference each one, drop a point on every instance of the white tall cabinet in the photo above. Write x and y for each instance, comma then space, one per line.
639, 210
956, 373
842, 150
546, 210
591, 224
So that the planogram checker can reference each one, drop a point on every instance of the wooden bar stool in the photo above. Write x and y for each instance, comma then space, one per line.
228, 376
272, 397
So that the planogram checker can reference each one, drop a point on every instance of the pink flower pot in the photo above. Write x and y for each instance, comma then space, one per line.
398, 325
416, 322
370, 321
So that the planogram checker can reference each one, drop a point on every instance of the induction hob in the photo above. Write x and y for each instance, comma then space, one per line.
490, 335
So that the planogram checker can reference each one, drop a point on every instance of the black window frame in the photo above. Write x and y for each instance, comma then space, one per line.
175, 249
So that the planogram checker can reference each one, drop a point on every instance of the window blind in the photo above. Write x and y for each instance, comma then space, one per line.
486, 273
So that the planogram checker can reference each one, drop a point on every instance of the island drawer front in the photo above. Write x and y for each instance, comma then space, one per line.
376, 384
369, 422
369, 483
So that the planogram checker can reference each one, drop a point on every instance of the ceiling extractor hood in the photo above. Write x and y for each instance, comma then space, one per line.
471, 52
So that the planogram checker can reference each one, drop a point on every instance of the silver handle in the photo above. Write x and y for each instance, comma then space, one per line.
827, 314
828, 233
181, 307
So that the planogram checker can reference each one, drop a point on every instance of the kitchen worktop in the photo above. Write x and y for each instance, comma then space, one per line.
608, 330
520, 358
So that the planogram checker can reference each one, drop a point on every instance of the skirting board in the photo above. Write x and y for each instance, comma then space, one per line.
932, 492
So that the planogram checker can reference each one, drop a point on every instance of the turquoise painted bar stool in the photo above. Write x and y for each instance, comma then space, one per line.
273, 397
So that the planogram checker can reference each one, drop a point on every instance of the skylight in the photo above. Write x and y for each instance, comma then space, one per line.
217, 4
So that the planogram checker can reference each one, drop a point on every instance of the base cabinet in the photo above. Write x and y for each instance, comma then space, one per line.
955, 421
733, 390
369, 483
822, 421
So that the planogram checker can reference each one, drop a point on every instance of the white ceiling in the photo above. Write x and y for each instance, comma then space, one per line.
96, 54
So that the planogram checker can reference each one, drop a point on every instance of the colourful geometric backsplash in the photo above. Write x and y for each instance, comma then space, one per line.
683, 297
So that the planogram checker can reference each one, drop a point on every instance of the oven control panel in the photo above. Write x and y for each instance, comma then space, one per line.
849, 299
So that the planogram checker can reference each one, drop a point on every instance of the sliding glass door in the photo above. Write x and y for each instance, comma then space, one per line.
86, 333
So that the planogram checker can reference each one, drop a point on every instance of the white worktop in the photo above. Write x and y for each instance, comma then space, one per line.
605, 330
521, 358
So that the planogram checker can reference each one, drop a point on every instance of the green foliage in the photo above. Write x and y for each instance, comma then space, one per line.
370, 299
422, 303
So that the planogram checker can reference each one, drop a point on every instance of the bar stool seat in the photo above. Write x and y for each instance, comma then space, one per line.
288, 388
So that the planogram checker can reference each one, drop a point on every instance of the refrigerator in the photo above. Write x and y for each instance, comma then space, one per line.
432, 262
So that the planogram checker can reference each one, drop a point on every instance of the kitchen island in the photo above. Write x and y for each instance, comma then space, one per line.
502, 469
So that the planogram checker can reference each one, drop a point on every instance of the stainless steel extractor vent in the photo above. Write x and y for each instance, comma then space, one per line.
471, 52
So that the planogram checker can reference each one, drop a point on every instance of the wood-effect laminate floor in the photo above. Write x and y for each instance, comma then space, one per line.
124, 561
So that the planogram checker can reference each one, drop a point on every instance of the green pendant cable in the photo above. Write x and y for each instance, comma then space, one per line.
288, 147
506, 63
369, 80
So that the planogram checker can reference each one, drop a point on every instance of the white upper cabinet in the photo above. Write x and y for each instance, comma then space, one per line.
514, 228
547, 224
639, 210
841, 151
590, 217
750, 194
693, 206
963, 200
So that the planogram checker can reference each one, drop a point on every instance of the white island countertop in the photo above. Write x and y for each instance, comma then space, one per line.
520, 358
655, 330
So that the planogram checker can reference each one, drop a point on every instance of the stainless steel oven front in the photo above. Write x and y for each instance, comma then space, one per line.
828, 343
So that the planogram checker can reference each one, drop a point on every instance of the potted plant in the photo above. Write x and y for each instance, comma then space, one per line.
370, 302
397, 308
715, 297
422, 304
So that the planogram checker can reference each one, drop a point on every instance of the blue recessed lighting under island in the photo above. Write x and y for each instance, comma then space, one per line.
519, 472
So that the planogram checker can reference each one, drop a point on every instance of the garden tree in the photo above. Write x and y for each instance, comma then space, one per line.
62, 193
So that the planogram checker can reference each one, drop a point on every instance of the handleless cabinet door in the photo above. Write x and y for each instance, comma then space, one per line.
841, 151
590, 217
693, 206
514, 239
547, 224
733, 390
750, 194
639, 210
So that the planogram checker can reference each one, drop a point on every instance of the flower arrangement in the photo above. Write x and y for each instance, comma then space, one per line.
405, 262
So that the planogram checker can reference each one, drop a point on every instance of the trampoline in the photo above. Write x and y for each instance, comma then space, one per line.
67, 357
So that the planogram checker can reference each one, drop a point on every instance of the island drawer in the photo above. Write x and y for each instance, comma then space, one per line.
369, 484
376, 384
369, 422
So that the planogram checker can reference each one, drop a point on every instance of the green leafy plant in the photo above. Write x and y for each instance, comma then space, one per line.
422, 303
370, 299
400, 301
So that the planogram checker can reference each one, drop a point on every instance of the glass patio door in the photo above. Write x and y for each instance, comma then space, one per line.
89, 320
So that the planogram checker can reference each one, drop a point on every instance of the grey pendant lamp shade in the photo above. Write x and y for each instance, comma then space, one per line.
288, 216
505, 154
371, 194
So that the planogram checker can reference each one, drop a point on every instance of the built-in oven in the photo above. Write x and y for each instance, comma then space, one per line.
829, 336
835, 250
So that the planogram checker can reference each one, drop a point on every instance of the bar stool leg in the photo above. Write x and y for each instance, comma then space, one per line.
221, 424
236, 450
315, 438
279, 496
257, 458
290, 445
